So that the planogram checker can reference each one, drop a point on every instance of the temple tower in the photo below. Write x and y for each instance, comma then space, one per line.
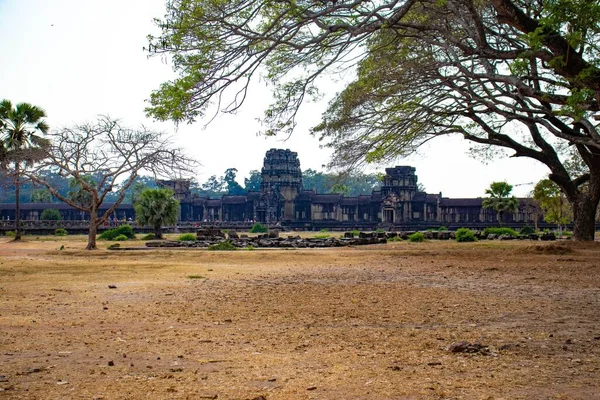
281, 180
399, 188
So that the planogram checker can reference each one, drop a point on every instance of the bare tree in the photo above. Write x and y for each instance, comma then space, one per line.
114, 156
518, 75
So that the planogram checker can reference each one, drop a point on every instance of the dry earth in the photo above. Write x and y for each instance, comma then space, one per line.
354, 323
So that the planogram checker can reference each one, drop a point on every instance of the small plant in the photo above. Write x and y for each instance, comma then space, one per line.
60, 232
416, 237
355, 232
223, 246
527, 230
250, 248
442, 229
121, 238
187, 237
321, 236
499, 231
567, 233
11, 234
258, 228
149, 236
324, 230
395, 239
111, 234
465, 235
379, 230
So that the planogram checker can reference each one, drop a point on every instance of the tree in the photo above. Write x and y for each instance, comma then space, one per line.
21, 143
523, 76
50, 214
213, 186
103, 157
252, 183
156, 208
500, 199
233, 188
553, 202
41, 196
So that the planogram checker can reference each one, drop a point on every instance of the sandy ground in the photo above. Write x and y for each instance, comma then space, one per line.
369, 322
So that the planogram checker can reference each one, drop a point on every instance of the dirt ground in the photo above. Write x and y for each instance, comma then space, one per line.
372, 322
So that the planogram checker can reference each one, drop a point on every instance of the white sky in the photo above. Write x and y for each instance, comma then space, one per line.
81, 58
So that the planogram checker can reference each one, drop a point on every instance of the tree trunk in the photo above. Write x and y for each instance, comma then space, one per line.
93, 230
17, 202
584, 217
158, 231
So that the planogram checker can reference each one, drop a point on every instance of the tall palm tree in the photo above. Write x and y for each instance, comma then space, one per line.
155, 208
21, 143
500, 199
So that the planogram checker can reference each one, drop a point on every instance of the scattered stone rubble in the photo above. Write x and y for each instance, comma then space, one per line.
211, 236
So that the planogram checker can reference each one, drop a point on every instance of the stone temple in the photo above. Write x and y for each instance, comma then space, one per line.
282, 200
398, 203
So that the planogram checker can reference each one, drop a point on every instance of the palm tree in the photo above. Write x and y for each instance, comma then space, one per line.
500, 199
155, 208
21, 143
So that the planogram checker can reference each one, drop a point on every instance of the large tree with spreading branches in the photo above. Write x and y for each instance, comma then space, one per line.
518, 76
105, 157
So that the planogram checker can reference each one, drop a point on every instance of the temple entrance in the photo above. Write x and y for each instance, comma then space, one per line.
388, 216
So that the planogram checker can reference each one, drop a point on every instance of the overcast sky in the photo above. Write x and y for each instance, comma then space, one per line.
81, 58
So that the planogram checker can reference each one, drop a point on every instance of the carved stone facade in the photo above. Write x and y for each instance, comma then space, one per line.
282, 200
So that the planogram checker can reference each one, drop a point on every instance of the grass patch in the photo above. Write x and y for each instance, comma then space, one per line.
321, 236
223, 246
395, 239
187, 237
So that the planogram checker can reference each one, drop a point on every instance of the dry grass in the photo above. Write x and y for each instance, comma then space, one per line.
353, 323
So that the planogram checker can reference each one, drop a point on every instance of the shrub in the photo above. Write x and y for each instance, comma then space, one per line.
121, 238
223, 246
149, 236
324, 230
395, 239
355, 232
60, 232
50, 214
11, 234
379, 230
113, 246
111, 234
258, 228
527, 230
187, 237
499, 231
416, 237
465, 235
321, 236
442, 229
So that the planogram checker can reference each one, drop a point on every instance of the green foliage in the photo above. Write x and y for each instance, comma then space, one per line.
113, 246
149, 236
416, 237
223, 246
442, 229
500, 199
11, 234
121, 238
50, 214
465, 235
250, 248
187, 237
499, 231
557, 209
252, 183
355, 232
395, 239
60, 232
155, 208
41, 196
122, 230
258, 228
324, 230
527, 230
321, 236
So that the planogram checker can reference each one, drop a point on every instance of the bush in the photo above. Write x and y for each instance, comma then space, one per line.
465, 235
442, 229
187, 237
223, 246
416, 237
60, 232
527, 230
111, 234
50, 214
395, 239
121, 238
499, 231
149, 236
11, 234
321, 236
258, 228
324, 230
113, 246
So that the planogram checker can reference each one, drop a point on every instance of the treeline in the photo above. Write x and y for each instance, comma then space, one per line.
215, 186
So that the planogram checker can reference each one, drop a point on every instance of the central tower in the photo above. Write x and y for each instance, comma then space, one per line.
281, 181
